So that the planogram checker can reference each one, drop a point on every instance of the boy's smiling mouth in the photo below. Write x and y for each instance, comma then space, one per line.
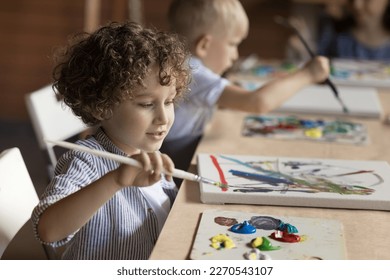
156, 134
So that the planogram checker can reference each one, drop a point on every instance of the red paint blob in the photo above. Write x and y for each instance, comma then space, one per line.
283, 236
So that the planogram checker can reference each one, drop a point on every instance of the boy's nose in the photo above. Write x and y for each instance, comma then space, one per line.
235, 54
161, 116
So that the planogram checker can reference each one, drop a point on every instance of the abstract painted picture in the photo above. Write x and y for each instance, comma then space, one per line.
295, 181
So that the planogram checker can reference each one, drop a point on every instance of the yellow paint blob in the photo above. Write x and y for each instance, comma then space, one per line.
313, 133
257, 242
222, 241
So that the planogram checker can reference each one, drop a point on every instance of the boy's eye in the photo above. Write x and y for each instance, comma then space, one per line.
171, 101
152, 104
145, 105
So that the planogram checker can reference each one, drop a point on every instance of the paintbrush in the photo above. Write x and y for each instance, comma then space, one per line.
130, 161
282, 21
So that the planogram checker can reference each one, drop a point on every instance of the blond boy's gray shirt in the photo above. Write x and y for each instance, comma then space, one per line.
193, 112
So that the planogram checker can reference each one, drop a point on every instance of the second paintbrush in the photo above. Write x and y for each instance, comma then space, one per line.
282, 21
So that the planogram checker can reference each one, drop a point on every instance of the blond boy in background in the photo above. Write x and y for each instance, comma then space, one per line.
213, 30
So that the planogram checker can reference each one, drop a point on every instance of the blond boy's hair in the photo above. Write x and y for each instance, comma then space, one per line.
193, 19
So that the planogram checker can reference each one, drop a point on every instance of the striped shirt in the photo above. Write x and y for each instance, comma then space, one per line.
126, 227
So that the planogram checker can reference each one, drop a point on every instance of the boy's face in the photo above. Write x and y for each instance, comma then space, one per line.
222, 51
143, 122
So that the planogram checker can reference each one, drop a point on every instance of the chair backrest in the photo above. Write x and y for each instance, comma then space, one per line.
51, 119
17, 199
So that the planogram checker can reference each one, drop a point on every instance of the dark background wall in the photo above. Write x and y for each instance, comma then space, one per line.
30, 30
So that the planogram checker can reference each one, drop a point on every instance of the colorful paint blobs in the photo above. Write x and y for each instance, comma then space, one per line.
291, 127
282, 233
261, 243
323, 238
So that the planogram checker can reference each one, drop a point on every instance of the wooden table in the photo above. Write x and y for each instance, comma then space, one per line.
366, 232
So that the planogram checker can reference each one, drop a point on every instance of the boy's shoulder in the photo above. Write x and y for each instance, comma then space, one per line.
202, 74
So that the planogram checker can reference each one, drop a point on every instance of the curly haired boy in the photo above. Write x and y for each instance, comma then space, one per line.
124, 79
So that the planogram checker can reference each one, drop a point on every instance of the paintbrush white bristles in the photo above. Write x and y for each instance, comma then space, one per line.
122, 159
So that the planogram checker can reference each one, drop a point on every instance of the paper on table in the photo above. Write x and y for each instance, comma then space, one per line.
319, 99
361, 102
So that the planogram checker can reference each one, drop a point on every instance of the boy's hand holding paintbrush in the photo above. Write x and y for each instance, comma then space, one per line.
282, 21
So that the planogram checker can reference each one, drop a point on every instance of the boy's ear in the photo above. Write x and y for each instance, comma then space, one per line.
202, 45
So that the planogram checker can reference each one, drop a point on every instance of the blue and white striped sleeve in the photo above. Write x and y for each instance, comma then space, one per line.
73, 171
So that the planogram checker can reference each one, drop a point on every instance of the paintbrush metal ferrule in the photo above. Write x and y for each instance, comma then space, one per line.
211, 182
206, 181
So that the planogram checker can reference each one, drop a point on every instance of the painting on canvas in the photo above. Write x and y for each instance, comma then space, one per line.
234, 235
295, 181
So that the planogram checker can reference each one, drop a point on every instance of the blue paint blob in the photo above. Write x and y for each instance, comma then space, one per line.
243, 228
287, 228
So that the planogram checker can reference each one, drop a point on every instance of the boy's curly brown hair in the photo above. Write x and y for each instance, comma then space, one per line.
97, 71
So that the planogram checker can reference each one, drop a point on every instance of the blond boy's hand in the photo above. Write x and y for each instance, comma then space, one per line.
317, 68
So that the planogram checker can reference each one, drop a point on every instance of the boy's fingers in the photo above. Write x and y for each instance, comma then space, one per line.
168, 164
157, 164
145, 160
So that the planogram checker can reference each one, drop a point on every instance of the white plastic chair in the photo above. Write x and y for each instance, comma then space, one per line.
51, 119
17, 200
